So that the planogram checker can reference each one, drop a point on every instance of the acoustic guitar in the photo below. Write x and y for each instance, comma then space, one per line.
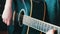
31, 18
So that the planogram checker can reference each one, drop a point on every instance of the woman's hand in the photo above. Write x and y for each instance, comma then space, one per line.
50, 31
7, 13
6, 16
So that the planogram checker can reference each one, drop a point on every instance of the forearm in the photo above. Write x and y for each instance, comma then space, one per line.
8, 4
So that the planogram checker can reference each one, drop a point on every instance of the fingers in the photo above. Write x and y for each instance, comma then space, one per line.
51, 31
6, 21
6, 16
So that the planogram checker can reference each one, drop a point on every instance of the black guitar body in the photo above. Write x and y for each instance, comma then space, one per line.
32, 8
53, 12
20, 7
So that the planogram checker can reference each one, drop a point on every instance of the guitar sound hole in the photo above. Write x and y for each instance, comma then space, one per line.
21, 18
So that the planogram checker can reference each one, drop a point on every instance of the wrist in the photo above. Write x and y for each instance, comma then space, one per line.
8, 4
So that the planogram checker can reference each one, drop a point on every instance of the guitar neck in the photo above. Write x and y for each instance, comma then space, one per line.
39, 25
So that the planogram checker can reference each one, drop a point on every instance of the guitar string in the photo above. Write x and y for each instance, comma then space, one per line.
44, 13
30, 15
